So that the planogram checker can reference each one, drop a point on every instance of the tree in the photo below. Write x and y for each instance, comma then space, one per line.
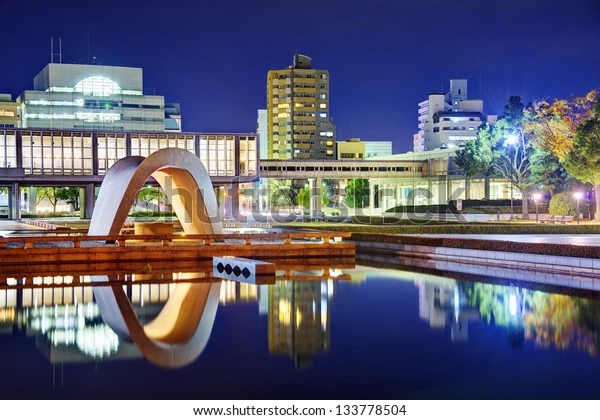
70, 195
562, 204
48, 193
583, 160
148, 194
553, 125
503, 149
357, 193
303, 197
552, 175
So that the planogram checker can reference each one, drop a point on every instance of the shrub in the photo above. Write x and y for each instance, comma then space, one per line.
562, 204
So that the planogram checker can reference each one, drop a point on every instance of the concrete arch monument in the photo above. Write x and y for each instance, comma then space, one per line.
183, 179
181, 330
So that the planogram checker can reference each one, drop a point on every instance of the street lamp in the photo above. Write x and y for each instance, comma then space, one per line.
512, 140
578, 195
537, 197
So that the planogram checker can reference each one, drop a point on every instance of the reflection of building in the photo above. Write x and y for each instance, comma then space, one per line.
443, 303
93, 97
66, 323
299, 323
299, 123
237, 292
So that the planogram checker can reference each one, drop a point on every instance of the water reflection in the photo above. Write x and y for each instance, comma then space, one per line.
169, 322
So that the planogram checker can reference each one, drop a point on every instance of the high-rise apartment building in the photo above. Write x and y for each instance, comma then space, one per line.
298, 113
448, 119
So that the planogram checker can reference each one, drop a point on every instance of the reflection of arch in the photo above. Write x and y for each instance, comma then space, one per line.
97, 86
182, 177
180, 332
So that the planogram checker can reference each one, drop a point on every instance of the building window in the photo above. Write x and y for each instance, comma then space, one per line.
322, 114
323, 96
323, 106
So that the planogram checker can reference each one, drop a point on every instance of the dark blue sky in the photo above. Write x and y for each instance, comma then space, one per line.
384, 56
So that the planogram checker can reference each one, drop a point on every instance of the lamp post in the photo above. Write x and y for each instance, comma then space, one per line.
537, 197
512, 140
578, 195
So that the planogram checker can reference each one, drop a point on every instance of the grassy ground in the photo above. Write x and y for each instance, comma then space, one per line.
517, 227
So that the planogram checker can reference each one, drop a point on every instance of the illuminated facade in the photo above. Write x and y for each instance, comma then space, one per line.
82, 158
10, 115
448, 119
299, 123
93, 97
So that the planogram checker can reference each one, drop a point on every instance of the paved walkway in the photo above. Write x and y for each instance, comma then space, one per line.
8, 227
582, 239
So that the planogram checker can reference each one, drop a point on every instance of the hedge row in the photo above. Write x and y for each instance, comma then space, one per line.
496, 228
564, 250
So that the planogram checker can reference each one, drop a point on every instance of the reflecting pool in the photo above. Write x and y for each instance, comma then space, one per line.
326, 333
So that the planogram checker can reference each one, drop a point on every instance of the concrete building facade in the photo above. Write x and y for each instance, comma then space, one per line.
263, 132
448, 119
94, 97
299, 123
10, 114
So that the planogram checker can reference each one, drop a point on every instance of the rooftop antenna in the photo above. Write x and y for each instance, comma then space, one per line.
94, 62
52, 54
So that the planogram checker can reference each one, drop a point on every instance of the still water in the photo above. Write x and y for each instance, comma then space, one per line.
364, 333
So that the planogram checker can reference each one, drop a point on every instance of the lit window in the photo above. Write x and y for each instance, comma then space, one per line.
283, 115
323, 133
97, 86
323, 96
323, 106
322, 114
323, 76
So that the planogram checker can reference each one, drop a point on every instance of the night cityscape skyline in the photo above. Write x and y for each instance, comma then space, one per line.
383, 60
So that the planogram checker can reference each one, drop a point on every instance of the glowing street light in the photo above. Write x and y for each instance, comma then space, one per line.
578, 196
537, 197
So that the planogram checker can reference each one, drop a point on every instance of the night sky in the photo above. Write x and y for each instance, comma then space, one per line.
384, 56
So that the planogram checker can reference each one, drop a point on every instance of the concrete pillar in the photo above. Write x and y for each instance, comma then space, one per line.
314, 188
234, 193
31, 204
371, 197
467, 188
86, 206
14, 202
486, 187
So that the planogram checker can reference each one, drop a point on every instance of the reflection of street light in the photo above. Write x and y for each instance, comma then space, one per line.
537, 197
512, 140
578, 195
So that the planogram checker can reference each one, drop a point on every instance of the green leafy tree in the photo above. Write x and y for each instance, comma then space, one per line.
503, 150
282, 192
357, 193
303, 197
562, 204
70, 195
49, 193
149, 194
551, 173
583, 160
